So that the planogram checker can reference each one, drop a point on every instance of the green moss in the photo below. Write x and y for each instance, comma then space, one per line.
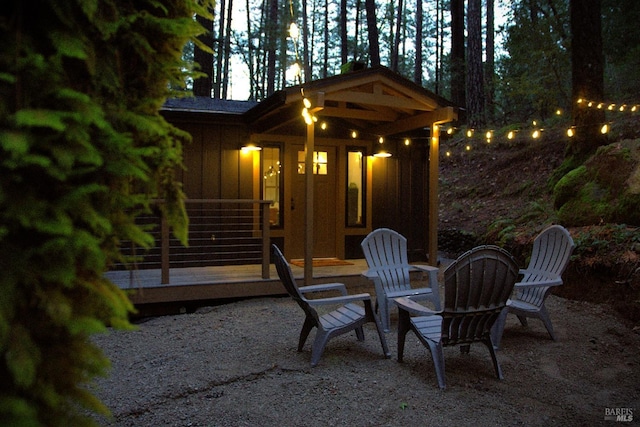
569, 185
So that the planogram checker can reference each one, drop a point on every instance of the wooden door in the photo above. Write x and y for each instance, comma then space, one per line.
324, 203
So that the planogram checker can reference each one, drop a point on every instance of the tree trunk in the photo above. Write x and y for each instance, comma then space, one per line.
395, 51
203, 85
227, 52
272, 37
305, 43
344, 46
489, 70
475, 76
587, 76
457, 65
417, 69
325, 62
250, 53
217, 80
372, 29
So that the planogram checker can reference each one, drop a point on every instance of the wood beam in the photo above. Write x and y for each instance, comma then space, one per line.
375, 99
441, 115
353, 113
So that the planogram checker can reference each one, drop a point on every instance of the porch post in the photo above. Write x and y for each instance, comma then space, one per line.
434, 153
309, 148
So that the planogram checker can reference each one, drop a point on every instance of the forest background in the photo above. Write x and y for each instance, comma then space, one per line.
84, 148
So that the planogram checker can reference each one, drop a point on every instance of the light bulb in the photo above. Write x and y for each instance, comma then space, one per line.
294, 32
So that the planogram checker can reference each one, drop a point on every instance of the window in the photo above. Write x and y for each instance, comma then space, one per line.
271, 168
319, 163
355, 187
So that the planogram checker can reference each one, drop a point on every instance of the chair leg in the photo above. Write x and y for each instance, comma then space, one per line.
359, 333
322, 337
384, 314
496, 365
544, 316
404, 324
438, 362
383, 341
304, 333
523, 320
498, 328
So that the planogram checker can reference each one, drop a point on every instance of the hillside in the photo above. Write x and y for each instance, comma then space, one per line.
499, 193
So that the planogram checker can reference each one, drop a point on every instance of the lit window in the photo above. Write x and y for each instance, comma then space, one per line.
319, 163
355, 187
271, 168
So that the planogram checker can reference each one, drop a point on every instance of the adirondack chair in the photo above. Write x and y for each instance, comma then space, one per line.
386, 253
354, 311
550, 255
476, 288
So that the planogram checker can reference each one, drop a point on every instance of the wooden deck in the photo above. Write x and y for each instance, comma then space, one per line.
229, 282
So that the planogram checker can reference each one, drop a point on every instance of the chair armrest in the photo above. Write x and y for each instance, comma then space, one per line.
554, 281
425, 268
406, 304
370, 274
324, 287
339, 300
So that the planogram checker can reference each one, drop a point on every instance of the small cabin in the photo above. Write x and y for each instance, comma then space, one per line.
356, 147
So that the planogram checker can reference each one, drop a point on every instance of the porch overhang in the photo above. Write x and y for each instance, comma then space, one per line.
375, 102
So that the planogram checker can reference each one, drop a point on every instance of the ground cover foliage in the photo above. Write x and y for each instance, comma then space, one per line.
505, 192
83, 150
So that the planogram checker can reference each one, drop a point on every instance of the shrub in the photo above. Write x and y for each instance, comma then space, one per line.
83, 152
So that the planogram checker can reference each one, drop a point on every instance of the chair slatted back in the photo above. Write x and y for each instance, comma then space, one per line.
550, 255
289, 282
477, 286
386, 253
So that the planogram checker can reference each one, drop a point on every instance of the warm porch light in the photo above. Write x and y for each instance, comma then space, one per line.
382, 153
247, 148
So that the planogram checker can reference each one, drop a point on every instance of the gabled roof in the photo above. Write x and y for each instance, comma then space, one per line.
374, 100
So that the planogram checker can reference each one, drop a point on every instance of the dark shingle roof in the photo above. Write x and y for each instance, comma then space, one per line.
203, 104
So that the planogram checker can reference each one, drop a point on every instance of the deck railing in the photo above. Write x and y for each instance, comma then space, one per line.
221, 232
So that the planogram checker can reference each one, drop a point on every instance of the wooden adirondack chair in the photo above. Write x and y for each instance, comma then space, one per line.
476, 288
551, 253
386, 253
354, 311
